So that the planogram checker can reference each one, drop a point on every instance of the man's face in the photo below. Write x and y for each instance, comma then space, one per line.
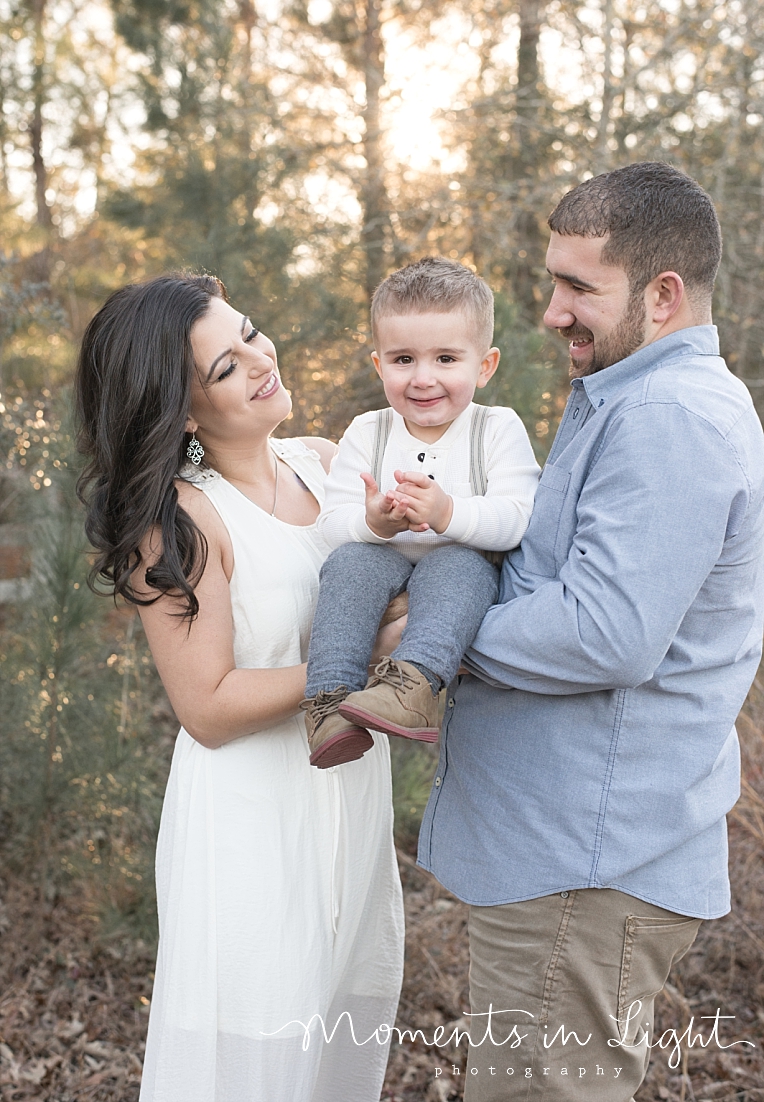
591, 306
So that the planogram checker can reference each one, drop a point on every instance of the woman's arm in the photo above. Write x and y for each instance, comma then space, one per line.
215, 701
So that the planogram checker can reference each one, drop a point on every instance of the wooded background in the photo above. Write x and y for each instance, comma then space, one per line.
258, 142
267, 142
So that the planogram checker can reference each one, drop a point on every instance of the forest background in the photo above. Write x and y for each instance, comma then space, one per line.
301, 150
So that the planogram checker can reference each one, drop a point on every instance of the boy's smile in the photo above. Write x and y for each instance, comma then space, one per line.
430, 365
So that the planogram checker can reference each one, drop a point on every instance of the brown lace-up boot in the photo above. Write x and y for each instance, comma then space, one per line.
332, 739
397, 700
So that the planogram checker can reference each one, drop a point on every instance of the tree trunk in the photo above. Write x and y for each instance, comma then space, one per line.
247, 20
44, 216
529, 258
377, 227
3, 137
602, 153
528, 73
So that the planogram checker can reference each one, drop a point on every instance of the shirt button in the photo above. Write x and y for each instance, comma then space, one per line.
564, 895
437, 782
420, 457
451, 702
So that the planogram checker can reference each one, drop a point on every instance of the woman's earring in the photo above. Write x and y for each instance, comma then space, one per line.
195, 451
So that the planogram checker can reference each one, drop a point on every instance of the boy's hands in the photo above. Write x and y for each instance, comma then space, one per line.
417, 504
426, 504
385, 515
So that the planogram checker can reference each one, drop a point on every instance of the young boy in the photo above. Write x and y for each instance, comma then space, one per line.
412, 494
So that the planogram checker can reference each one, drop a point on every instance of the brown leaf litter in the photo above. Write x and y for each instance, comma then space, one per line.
74, 1007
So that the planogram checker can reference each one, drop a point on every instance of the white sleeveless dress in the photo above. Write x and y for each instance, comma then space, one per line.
278, 890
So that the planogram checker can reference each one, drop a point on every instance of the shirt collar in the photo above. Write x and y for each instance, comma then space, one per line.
697, 340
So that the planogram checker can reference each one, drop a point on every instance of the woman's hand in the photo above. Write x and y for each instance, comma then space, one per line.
390, 628
387, 640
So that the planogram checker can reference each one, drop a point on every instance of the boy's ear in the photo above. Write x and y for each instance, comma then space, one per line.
488, 367
377, 364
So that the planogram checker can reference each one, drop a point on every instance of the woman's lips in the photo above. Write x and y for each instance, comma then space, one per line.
269, 387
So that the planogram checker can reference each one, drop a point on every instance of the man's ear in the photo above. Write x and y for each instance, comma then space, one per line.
663, 297
488, 367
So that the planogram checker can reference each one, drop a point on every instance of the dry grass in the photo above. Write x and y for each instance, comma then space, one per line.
73, 1006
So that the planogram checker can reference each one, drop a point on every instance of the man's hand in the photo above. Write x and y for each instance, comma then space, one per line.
425, 504
384, 515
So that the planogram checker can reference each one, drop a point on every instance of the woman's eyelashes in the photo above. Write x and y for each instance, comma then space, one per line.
235, 363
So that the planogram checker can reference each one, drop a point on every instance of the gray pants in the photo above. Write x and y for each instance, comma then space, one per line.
450, 590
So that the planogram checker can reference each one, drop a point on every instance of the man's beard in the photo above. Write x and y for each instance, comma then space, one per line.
624, 339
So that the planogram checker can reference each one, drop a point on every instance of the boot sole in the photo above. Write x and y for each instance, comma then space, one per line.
346, 746
377, 723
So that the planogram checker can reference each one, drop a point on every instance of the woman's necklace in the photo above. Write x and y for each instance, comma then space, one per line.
275, 488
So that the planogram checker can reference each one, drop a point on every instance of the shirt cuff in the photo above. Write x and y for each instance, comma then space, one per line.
461, 524
364, 534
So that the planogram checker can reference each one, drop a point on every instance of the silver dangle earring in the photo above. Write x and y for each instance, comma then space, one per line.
195, 451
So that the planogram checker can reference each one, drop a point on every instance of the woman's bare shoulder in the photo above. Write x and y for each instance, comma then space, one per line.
325, 448
207, 519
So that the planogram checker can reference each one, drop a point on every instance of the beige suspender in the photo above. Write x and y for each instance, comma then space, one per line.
383, 426
478, 476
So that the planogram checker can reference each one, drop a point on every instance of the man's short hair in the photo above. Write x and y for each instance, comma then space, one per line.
434, 285
658, 219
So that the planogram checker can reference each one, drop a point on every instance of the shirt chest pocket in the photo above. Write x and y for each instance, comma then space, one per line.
541, 538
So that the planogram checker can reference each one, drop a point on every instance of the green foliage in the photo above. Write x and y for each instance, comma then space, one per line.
80, 785
526, 378
212, 134
413, 765
34, 447
24, 304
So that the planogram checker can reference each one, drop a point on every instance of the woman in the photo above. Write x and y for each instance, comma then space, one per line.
277, 888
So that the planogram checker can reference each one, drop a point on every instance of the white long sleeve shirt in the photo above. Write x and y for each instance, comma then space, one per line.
494, 522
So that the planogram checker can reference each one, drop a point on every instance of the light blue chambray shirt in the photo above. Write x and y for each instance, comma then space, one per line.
596, 746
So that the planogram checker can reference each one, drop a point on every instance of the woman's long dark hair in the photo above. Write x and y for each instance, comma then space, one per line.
133, 396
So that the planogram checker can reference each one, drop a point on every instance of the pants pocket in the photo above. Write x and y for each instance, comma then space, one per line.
651, 946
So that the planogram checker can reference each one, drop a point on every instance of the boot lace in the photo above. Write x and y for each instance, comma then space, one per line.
390, 672
324, 703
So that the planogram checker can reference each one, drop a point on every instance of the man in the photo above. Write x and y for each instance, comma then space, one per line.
586, 769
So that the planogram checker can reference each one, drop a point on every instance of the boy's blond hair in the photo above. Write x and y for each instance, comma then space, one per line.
435, 285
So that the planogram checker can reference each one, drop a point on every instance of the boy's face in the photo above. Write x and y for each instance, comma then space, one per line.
430, 365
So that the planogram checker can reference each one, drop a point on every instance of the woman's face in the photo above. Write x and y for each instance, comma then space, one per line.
236, 395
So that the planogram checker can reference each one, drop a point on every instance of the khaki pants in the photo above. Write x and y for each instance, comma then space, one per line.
564, 974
